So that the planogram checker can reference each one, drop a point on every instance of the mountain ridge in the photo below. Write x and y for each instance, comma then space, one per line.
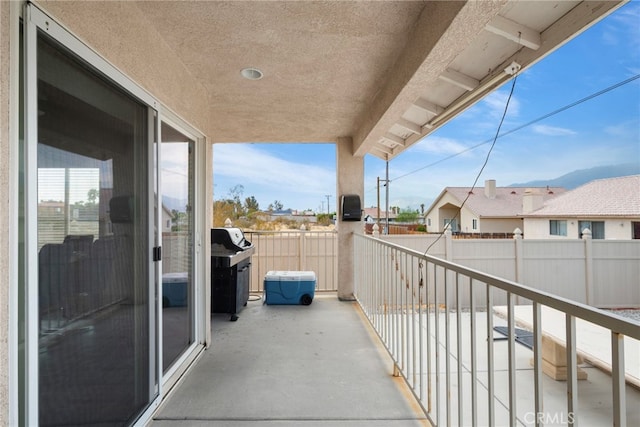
580, 177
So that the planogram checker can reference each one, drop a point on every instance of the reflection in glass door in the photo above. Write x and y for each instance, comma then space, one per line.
177, 186
94, 311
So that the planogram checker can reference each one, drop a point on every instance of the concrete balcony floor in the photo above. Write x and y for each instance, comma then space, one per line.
317, 365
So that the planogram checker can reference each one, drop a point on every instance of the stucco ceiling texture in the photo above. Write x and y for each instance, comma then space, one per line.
323, 62
385, 73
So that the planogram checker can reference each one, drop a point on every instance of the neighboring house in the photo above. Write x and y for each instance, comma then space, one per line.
371, 215
610, 208
167, 219
487, 209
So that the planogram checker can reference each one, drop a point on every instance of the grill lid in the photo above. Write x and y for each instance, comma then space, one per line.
228, 241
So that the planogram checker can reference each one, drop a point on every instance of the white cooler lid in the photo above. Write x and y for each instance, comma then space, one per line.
174, 277
290, 275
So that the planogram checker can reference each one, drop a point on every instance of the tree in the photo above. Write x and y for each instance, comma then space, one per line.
251, 204
407, 216
236, 192
180, 220
92, 196
237, 208
276, 206
223, 209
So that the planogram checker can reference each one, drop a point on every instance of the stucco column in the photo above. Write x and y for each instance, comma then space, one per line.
8, 71
349, 180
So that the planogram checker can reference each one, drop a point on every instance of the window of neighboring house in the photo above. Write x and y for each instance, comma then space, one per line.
474, 224
429, 222
451, 223
596, 227
558, 227
635, 229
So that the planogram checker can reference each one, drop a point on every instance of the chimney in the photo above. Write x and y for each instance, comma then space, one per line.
531, 200
490, 188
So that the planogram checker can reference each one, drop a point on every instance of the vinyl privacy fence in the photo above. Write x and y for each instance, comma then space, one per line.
601, 273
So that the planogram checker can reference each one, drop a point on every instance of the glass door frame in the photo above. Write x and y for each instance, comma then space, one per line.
34, 20
198, 318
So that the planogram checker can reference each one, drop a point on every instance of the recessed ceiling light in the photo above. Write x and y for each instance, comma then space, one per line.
251, 73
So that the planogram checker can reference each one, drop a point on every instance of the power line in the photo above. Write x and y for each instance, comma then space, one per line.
486, 160
546, 116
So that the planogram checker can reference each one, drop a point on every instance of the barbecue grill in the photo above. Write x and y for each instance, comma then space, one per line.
230, 270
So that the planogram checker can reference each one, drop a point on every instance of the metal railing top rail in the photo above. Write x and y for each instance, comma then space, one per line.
591, 314
290, 231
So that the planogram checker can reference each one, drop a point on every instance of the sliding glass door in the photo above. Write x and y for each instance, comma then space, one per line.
111, 267
95, 306
177, 224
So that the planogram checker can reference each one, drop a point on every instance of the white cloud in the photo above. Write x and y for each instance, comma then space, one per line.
440, 145
497, 101
553, 130
250, 166
626, 130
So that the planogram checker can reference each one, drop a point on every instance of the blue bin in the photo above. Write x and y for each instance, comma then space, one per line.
289, 287
174, 289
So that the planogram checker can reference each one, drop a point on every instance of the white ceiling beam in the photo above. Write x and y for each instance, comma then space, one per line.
383, 148
410, 126
428, 106
393, 138
515, 32
461, 80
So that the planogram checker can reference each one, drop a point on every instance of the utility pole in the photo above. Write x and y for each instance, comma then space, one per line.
378, 205
327, 196
386, 184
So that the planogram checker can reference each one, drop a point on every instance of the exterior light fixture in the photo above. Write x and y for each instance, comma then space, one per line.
251, 73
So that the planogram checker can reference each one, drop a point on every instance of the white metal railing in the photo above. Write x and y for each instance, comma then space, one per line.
460, 373
305, 250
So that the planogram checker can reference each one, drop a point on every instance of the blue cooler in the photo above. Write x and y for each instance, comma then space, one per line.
289, 287
174, 289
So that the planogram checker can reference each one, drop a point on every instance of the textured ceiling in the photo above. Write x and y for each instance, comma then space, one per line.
323, 62
383, 73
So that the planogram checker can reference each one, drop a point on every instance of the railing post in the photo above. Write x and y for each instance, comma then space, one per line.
588, 265
302, 261
618, 380
376, 231
519, 259
448, 245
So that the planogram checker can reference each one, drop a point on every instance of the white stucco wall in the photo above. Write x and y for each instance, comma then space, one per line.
7, 50
614, 228
437, 214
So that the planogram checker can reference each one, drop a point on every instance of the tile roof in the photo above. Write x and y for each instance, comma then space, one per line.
603, 197
507, 203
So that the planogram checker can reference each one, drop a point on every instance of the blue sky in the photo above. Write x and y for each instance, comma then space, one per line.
602, 131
